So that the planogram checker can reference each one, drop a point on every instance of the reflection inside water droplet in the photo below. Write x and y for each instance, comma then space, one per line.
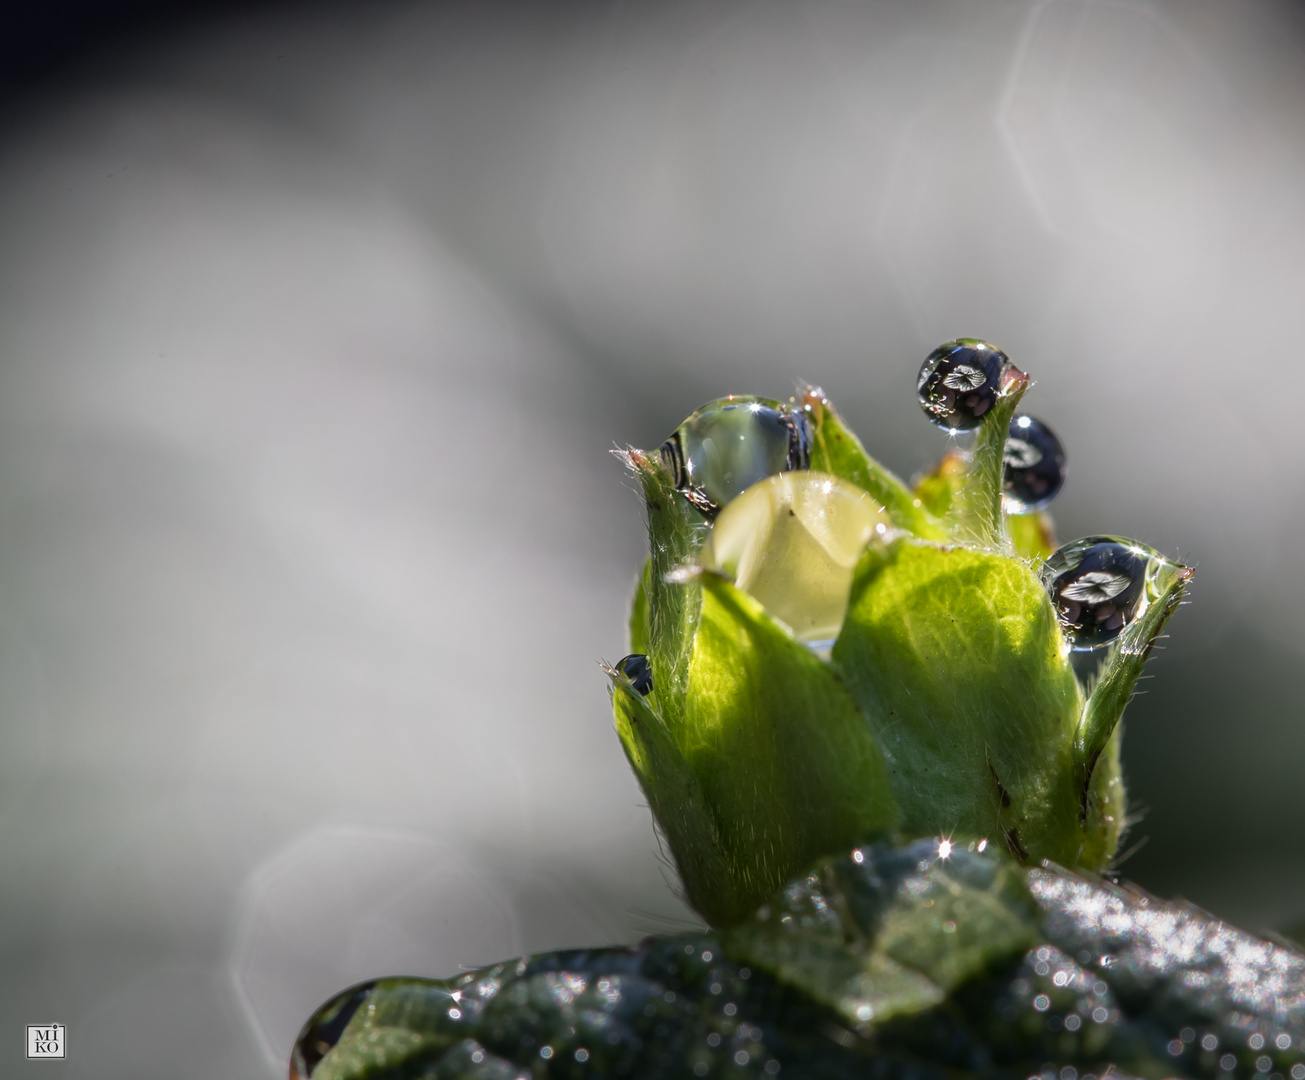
324, 1029
1033, 466
1099, 585
730, 444
960, 381
792, 542
638, 670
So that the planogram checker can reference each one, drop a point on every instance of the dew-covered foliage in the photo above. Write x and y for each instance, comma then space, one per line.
886, 962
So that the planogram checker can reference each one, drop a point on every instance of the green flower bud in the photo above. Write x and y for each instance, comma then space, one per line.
835, 656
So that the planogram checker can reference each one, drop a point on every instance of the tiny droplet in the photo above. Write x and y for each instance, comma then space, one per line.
638, 670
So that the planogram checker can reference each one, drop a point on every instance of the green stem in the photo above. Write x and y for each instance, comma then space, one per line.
976, 511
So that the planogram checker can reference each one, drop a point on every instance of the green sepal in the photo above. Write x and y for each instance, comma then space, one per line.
785, 760
1032, 536
834, 449
976, 510
676, 531
1118, 677
1106, 819
935, 639
638, 621
886, 933
674, 795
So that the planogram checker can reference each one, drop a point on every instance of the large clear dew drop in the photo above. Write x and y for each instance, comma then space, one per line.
960, 381
730, 444
792, 542
1098, 586
1033, 466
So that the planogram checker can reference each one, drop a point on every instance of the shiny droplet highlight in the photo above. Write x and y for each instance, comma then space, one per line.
960, 381
1033, 466
730, 444
1098, 586
638, 670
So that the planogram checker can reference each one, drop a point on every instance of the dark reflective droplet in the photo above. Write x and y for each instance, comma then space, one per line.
730, 444
960, 381
636, 668
1034, 466
1098, 586
324, 1029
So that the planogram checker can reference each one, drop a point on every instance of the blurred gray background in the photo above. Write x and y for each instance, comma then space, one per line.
317, 323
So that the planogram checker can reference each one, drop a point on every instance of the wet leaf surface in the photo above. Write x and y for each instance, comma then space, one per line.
1043, 973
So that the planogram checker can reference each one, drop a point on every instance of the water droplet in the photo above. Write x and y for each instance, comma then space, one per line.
960, 381
638, 670
1099, 585
730, 444
1034, 466
324, 1029
792, 543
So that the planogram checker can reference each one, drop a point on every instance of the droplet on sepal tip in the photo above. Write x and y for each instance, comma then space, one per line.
638, 670
1033, 466
960, 381
732, 443
1099, 585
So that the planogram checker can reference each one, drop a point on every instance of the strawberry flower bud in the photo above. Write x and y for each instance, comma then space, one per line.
835, 656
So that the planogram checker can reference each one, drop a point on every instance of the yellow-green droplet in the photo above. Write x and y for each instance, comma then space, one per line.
792, 541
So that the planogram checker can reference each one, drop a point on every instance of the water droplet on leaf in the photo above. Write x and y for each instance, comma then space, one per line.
792, 542
1098, 586
638, 670
324, 1029
960, 381
730, 444
1034, 466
